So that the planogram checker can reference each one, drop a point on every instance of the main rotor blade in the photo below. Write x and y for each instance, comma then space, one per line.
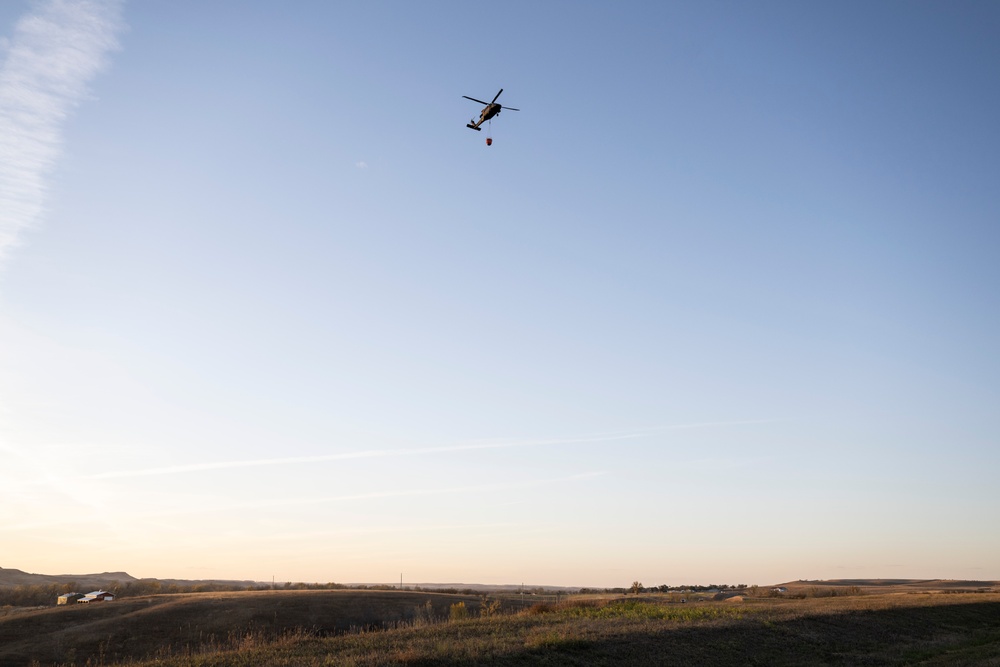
498, 95
474, 99
510, 108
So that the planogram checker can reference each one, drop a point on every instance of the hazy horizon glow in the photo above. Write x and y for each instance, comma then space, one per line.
718, 305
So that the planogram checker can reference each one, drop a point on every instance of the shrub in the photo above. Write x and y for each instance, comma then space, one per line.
458, 612
539, 608
423, 614
489, 607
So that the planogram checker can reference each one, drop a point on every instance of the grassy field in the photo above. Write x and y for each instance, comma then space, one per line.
162, 624
409, 628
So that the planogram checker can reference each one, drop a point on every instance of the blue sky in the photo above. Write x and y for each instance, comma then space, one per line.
719, 304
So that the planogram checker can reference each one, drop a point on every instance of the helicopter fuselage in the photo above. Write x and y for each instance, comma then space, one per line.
489, 110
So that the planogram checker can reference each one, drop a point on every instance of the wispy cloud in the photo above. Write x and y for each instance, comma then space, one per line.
206, 505
321, 458
54, 53
303, 501
415, 451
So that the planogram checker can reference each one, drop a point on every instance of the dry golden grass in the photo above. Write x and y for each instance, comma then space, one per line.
323, 628
890, 630
184, 623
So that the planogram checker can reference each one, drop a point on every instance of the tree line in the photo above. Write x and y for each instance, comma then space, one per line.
37, 595
637, 587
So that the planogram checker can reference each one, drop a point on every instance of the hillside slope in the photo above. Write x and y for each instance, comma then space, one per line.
133, 628
10, 578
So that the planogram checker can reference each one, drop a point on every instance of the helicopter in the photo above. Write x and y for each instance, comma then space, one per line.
492, 109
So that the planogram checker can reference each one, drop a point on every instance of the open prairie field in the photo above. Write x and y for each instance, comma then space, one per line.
415, 628
132, 628
881, 586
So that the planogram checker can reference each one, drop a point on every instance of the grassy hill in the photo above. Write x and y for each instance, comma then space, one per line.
10, 578
143, 626
896, 585
414, 628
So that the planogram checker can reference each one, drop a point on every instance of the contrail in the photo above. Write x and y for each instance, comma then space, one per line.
417, 451
54, 53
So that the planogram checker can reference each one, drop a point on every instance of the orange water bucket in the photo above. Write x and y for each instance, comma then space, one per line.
489, 141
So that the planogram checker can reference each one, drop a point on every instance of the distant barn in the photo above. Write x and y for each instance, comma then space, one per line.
97, 596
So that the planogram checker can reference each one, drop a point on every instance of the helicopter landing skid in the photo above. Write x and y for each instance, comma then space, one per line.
477, 129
